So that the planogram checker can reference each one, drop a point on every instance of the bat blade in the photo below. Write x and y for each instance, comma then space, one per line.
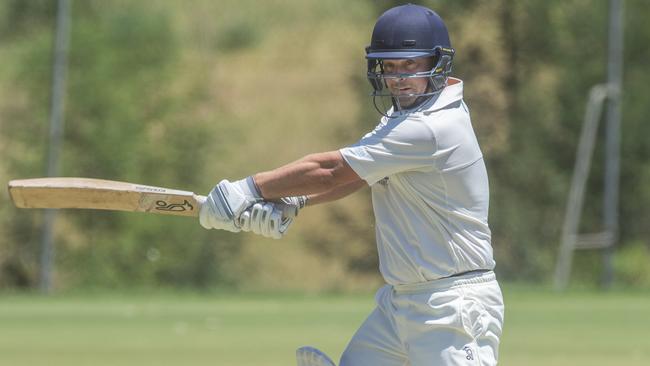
99, 194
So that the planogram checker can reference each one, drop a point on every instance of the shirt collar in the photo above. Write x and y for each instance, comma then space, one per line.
452, 93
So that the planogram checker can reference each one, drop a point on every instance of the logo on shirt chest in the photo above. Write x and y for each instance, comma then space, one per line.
384, 182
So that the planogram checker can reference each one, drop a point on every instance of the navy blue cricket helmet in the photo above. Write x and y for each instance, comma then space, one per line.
409, 31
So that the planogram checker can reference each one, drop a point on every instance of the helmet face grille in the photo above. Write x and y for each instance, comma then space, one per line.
437, 79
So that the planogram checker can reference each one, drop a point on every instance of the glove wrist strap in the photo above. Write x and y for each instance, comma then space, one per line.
302, 201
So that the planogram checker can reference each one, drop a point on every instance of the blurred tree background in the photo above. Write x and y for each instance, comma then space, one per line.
183, 94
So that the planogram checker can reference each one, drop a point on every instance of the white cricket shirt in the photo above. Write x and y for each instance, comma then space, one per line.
430, 190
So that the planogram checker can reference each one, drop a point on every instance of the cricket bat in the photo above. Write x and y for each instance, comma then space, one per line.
99, 194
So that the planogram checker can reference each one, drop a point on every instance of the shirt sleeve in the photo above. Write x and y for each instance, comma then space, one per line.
396, 146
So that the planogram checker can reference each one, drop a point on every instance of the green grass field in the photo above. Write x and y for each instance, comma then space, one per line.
542, 328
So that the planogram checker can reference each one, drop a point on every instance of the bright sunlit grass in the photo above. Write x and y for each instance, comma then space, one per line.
542, 328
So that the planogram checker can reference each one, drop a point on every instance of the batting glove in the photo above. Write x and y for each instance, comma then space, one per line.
272, 220
226, 202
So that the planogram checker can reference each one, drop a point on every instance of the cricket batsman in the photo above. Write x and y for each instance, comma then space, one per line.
441, 304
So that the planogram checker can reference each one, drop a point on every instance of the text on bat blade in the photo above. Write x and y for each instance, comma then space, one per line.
150, 189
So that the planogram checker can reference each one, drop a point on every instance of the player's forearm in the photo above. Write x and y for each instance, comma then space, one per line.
336, 193
313, 174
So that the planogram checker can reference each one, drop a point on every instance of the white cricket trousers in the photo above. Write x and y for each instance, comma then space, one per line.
451, 321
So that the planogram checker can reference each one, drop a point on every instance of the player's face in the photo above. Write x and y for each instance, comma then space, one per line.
406, 86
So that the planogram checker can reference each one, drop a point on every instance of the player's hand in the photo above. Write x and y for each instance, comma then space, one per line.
263, 218
272, 219
226, 202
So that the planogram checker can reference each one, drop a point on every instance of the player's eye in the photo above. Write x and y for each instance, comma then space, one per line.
411, 65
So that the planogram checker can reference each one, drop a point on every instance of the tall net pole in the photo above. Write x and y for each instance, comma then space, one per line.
613, 134
609, 93
61, 42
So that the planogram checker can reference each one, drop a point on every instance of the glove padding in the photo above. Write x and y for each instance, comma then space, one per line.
226, 202
270, 219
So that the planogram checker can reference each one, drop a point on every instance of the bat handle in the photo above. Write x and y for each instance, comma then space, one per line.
200, 200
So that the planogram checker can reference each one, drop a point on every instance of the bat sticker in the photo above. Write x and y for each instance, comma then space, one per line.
164, 206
